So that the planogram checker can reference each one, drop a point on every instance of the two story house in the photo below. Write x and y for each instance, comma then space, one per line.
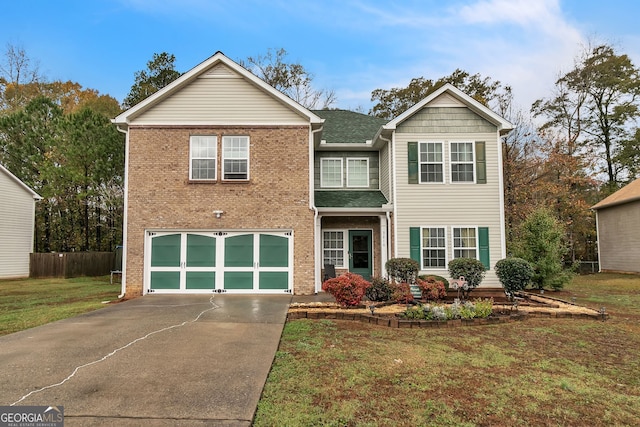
233, 187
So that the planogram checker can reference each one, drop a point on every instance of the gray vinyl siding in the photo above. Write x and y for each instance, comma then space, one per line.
220, 100
374, 167
16, 228
385, 184
619, 237
446, 120
448, 204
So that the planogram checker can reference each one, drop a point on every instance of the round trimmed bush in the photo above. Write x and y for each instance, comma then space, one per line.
514, 273
402, 270
472, 270
444, 281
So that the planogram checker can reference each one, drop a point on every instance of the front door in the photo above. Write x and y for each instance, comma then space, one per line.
360, 253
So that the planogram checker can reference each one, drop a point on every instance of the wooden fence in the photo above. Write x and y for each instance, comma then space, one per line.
71, 264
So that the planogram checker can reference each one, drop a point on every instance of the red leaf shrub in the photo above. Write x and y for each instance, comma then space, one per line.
348, 289
432, 288
402, 293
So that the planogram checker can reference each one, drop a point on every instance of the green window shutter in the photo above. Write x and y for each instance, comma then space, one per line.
483, 245
414, 244
413, 162
481, 163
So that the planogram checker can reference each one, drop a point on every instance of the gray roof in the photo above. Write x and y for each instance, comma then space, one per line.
348, 127
349, 199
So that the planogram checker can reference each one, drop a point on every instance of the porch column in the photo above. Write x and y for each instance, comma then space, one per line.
384, 250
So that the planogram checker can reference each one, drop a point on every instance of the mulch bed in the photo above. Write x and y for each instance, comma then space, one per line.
386, 314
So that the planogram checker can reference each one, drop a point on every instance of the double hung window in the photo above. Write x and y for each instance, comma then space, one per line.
434, 248
202, 156
465, 242
235, 157
358, 172
431, 162
462, 161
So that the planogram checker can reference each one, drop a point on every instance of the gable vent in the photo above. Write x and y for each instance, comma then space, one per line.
219, 71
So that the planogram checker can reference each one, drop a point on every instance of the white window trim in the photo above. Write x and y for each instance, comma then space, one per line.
422, 248
192, 158
451, 162
222, 172
366, 159
345, 245
322, 184
420, 163
453, 242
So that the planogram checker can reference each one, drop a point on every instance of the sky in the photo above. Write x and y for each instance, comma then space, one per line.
350, 46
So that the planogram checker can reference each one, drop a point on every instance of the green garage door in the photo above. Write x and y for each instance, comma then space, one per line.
196, 262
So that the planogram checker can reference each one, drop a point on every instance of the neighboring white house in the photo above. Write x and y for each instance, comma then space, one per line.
17, 218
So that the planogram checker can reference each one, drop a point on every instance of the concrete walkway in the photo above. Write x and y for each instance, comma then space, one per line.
158, 360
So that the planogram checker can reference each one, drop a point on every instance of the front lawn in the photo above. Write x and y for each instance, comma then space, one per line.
536, 372
26, 303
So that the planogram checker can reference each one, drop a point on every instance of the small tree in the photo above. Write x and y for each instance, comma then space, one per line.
472, 270
514, 273
540, 241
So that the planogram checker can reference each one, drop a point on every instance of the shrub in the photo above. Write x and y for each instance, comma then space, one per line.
402, 270
402, 293
380, 290
348, 289
472, 270
431, 288
514, 273
440, 278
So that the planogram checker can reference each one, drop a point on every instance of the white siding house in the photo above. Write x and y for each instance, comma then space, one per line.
17, 217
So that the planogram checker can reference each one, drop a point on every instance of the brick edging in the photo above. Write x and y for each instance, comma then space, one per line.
394, 322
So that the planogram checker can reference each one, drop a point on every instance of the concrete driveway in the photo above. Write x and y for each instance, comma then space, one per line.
158, 360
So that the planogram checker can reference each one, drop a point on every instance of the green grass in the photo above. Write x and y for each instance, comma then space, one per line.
537, 372
27, 303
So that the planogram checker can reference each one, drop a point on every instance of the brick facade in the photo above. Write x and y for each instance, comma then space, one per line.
161, 196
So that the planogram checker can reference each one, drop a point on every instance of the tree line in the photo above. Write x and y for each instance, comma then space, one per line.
569, 150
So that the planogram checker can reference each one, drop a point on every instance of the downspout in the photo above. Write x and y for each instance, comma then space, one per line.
312, 206
390, 234
123, 281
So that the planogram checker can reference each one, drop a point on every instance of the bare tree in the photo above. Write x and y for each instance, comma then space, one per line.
292, 79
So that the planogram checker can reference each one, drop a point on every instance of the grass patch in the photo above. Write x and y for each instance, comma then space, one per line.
538, 372
26, 303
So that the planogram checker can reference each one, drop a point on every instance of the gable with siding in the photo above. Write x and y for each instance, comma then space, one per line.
220, 96
446, 118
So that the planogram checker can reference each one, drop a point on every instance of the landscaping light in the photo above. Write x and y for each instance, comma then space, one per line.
573, 300
218, 214
603, 312
372, 308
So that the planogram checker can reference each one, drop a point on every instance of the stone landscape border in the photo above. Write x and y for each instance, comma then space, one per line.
395, 322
